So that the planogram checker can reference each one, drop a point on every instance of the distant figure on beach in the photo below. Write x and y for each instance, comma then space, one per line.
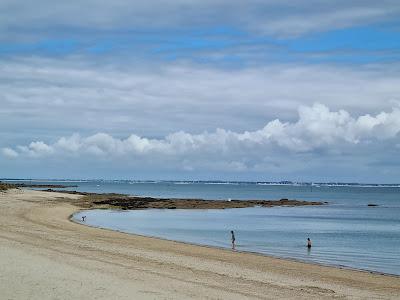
83, 218
233, 239
308, 243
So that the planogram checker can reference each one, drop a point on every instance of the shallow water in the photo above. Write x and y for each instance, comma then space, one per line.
345, 232
360, 239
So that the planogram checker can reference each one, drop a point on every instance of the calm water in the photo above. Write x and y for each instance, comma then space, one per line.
345, 232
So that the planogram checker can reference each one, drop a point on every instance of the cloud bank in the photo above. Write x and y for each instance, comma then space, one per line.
48, 98
317, 130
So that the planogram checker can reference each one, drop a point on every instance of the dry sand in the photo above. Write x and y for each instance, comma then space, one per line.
43, 255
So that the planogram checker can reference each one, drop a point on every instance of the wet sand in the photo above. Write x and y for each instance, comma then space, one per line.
43, 255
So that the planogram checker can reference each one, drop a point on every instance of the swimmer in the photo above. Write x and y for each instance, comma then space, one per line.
233, 239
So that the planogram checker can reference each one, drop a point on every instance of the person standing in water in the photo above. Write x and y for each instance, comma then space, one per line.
233, 239
308, 243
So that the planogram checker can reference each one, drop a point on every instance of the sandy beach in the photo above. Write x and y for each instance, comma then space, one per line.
43, 255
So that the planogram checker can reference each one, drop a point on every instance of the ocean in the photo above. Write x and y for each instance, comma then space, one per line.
345, 232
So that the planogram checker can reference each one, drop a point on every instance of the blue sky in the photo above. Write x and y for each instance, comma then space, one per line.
200, 90
360, 44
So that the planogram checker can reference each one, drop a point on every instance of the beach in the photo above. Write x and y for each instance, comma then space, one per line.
44, 255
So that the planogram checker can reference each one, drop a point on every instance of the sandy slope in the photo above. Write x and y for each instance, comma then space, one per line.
45, 256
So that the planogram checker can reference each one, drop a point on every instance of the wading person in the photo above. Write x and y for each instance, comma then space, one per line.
308, 243
233, 239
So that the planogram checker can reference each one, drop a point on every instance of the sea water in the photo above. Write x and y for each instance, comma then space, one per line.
345, 232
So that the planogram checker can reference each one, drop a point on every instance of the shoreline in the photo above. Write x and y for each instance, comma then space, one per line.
340, 267
92, 200
44, 255
128, 202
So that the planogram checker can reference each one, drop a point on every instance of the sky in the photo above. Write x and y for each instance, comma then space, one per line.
200, 90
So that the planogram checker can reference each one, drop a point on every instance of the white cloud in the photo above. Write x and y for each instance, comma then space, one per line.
10, 153
329, 18
317, 128
36, 149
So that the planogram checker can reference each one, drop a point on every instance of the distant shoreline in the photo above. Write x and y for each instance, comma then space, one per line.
217, 182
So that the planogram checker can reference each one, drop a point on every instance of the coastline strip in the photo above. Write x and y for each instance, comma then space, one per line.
121, 201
